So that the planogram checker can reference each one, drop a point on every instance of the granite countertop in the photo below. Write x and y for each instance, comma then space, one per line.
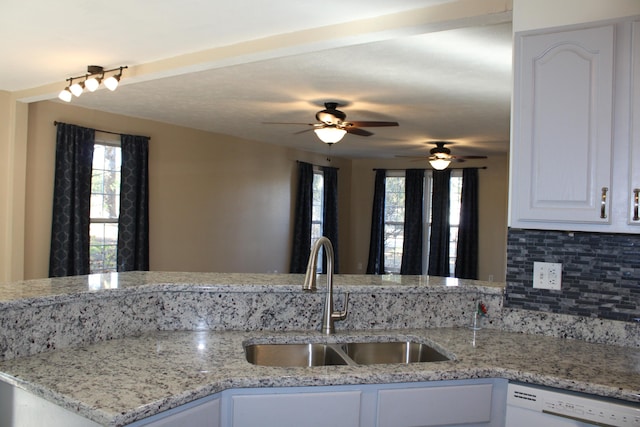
120, 381
45, 291
117, 348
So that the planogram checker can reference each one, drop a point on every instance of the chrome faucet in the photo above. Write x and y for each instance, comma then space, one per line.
328, 315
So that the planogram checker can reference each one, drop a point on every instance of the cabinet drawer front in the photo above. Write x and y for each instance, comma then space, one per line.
435, 406
335, 409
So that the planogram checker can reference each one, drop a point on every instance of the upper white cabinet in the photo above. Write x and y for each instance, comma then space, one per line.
633, 215
572, 149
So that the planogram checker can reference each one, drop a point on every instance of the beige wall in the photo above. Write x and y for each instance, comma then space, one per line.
493, 189
217, 203
13, 137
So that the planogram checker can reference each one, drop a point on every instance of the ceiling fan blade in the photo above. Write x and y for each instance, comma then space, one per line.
302, 131
358, 131
414, 157
288, 123
364, 124
428, 158
469, 157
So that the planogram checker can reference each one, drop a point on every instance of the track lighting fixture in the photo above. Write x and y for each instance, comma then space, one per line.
95, 75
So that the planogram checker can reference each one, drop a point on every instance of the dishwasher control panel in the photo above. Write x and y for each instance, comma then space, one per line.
587, 409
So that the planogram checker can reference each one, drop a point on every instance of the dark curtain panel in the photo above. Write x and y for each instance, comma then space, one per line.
467, 251
413, 207
301, 248
71, 201
375, 265
133, 224
330, 219
439, 241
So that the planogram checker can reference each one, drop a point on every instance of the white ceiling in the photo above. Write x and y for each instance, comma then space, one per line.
450, 84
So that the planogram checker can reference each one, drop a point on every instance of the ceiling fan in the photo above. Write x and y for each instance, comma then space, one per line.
332, 124
441, 156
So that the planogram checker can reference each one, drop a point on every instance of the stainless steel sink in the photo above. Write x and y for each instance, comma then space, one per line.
351, 353
371, 353
294, 355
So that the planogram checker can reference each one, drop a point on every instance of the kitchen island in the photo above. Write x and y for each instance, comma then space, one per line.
116, 349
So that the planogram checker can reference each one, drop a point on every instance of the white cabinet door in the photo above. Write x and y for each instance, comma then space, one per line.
291, 409
19, 408
562, 128
634, 177
436, 406
206, 414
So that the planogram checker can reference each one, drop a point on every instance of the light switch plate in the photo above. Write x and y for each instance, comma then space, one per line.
547, 275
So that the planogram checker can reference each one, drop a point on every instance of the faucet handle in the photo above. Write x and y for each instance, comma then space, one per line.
341, 315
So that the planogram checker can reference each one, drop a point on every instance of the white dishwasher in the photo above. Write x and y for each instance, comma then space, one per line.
532, 406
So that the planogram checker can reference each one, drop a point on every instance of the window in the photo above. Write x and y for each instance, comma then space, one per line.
317, 211
393, 222
317, 208
394, 219
454, 216
105, 207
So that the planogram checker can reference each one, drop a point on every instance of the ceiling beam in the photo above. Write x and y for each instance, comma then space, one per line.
445, 16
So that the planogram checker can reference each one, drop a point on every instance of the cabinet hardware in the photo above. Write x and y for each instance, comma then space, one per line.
603, 203
635, 204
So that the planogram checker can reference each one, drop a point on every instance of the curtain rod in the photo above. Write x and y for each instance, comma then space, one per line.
430, 169
320, 166
55, 123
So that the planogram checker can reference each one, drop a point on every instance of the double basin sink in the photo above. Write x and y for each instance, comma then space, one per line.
350, 353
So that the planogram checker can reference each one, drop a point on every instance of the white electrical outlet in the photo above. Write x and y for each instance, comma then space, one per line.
547, 275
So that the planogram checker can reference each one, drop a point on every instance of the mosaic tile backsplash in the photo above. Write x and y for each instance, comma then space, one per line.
600, 273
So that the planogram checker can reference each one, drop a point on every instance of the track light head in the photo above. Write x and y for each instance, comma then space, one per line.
94, 77
92, 83
77, 88
112, 82
65, 95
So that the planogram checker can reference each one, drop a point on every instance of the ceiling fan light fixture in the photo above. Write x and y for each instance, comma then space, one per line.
330, 135
439, 163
